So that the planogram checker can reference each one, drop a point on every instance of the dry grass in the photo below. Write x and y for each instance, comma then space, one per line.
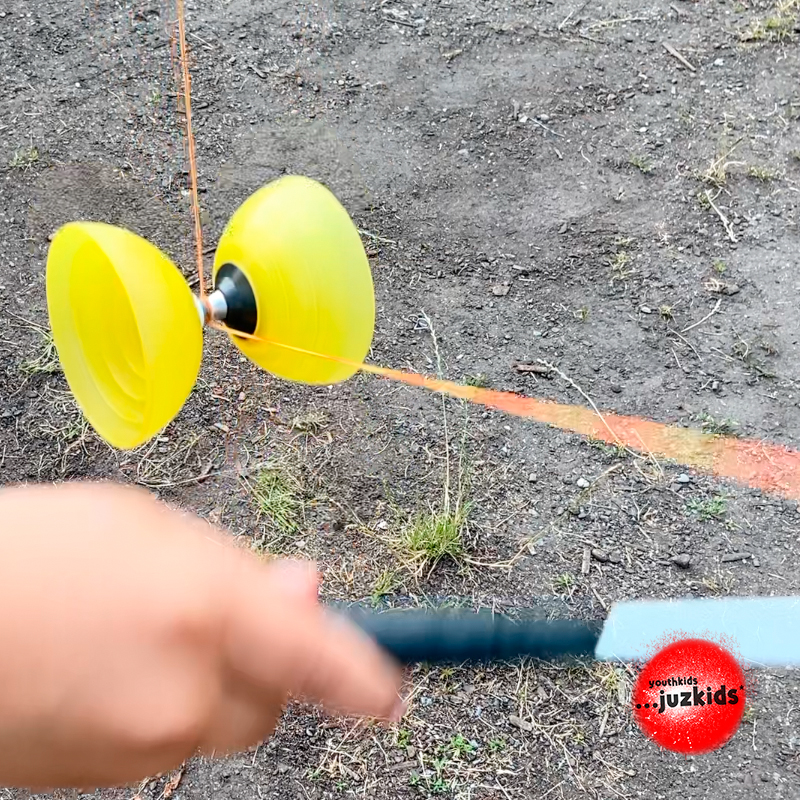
716, 174
64, 421
385, 584
438, 533
311, 422
24, 158
642, 163
718, 584
780, 25
45, 360
763, 174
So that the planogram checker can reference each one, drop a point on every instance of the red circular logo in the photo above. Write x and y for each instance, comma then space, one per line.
690, 696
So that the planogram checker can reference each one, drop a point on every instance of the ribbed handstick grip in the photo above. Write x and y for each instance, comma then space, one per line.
443, 636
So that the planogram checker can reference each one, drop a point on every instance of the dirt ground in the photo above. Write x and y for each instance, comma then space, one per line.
536, 180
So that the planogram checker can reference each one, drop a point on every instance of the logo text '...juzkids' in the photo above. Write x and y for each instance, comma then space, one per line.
675, 697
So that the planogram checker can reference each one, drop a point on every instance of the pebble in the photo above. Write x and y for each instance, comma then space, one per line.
616, 388
615, 557
522, 724
600, 555
683, 560
683, 478
533, 477
731, 289
729, 558
582, 483
283, 768
500, 290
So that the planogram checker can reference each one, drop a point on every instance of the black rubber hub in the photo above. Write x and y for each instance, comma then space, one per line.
242, 311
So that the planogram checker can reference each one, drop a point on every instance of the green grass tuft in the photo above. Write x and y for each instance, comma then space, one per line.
433, 536
275, 493
710, 508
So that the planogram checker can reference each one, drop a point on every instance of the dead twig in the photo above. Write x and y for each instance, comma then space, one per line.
583, 394
675, 54
706, 317
725, 221
572, 14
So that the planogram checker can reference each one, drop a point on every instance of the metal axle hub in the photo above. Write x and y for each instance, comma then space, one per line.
232, 301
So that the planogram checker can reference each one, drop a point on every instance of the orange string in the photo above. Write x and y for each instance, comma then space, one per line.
187, 99
752, 462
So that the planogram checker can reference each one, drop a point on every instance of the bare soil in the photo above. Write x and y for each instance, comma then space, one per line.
558, 151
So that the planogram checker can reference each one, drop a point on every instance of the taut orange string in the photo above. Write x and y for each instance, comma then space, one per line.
762, 465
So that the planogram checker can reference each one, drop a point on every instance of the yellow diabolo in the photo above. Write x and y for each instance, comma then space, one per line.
128, 330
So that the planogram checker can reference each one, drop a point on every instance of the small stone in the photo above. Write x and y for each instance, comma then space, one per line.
283, 768
522, 724
582, 483
645, 309
729, 558
600, 555
533, 477
683, 478
544, 117
615, 557
563, 228
683, 560
500, 289
616, 388
411, 751
731, 289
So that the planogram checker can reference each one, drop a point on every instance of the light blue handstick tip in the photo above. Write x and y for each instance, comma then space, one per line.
763, 631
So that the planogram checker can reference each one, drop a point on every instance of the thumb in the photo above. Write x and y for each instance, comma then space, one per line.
280, 643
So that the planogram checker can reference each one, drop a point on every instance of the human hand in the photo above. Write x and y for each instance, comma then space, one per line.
133, 636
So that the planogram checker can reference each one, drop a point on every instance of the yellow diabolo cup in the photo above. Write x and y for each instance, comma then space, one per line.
126, 327
305, 263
